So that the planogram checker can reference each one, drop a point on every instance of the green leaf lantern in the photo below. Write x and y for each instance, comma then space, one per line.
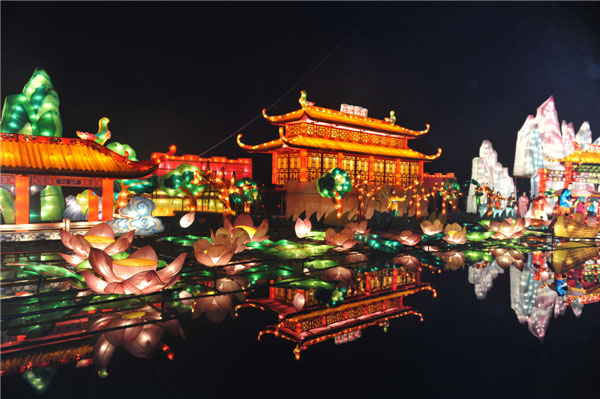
185, 181
334, 185
35, 112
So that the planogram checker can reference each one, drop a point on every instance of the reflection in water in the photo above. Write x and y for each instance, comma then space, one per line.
314, 291
138, 331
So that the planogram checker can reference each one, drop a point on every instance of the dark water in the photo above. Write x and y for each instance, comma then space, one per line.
464, 348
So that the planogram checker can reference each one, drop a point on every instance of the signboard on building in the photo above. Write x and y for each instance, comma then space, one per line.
354, 110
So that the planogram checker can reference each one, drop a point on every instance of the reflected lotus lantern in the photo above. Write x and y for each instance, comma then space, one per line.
299, 301
411, 262
454, 260
506, 257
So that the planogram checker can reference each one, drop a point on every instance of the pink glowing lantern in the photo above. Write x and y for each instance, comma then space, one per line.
299, 301
217, 254
455, 234
141, 340
303, 227
407, 237
100, 236
187, 220
411, 262
244, 222
134, 275
432, 228
343, 240
218, 306
340, 274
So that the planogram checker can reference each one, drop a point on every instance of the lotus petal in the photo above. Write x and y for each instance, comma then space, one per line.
102, 264
102, 229
80, 245
187, 220
65, 237
243, 220
103, 351
173, 268
72, 259
146, 252
94, 283
120, 244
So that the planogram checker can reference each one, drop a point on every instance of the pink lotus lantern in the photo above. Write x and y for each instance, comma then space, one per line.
455, 234
454, 260
509, 228
217, 307
299, 301
217, 254
303, 227
360, 228
411, 262
432, 228
100, 236
407, 237
140, 340
341, 240
339, 273
134, 275
244, 222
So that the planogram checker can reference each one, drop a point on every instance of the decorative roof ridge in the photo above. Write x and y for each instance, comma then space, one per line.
309, 110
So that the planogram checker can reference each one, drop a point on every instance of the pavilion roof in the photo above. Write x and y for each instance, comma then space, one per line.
323, 144
591, 155
39, 155
311, 112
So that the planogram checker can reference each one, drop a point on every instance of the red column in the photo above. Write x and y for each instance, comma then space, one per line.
92, 206
303, 166
398, 179
371, 172
340, 162
275, 168
421, 172
22, 199
568, 174
107, 199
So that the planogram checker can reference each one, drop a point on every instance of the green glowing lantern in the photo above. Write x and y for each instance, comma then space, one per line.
334, 185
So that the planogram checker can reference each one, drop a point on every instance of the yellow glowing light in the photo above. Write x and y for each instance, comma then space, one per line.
251, 231
133, 315
98, 239
134, 262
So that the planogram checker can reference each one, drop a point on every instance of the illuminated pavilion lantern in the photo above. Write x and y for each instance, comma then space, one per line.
313, 140
374, 297
28, 161
208, 202
581, 170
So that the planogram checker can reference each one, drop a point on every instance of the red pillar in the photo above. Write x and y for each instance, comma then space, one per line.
340, 162
274, 168
92, 206
22, 199
303, 166
398, 179
107, 199
371, 166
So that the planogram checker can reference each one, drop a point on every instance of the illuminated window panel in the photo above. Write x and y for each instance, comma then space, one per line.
314, 166
362, 168
390, 173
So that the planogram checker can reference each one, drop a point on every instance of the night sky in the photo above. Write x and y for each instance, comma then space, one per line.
193, 73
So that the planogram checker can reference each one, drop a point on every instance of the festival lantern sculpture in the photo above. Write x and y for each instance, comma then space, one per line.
487, 171
334, 185
302, 227
216, 253
407, 237
432, 228
100, 237
246, 193
136, 274
343, 240
138, 331
313, 140
455, 234
244, 222
218, 304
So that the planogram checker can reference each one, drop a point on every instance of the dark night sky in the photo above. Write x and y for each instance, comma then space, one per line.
192, 73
